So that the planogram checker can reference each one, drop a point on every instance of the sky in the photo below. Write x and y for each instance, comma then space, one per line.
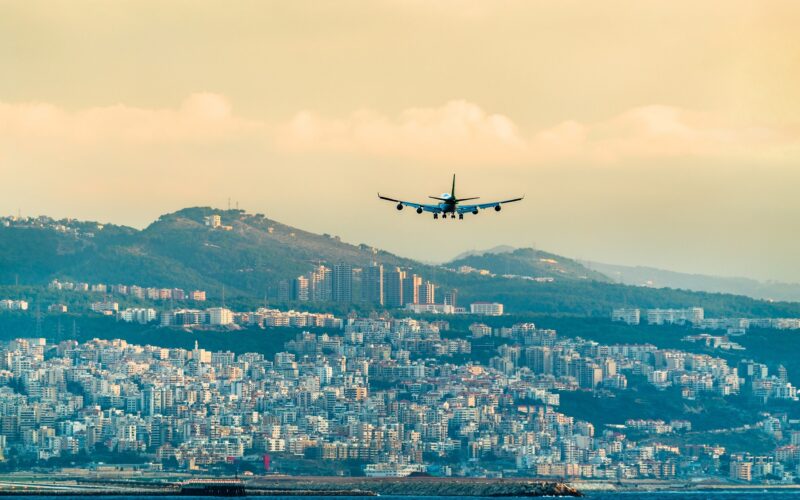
660, 133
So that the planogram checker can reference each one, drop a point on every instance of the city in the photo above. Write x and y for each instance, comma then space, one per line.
459, 248
381, 396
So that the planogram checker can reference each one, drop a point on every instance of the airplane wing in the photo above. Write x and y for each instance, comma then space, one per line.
418, 206
462, 209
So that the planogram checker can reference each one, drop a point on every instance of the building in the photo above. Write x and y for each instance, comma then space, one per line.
342, 283
213, 221
105, 307
589, 374
451, 298
320, 284
431, 308
198, 295
13, 305
138, 314
394, 287
741, 470
479, 330
372, 284
539, 359
627, 315
427, 293
411, 287
486, 308
284, 291
693, 315
220, 316
300, 289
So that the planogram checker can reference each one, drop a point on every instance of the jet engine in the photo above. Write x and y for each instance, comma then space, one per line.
419, 210
399, 206
497, 208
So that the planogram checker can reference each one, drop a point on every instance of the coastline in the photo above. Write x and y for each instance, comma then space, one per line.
645, 486
288, 486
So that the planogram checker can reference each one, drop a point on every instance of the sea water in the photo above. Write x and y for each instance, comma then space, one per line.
598, 495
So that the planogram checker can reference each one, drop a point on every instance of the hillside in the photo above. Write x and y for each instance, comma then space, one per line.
529, 262
660, 278
495, 249
253, 253
178, 250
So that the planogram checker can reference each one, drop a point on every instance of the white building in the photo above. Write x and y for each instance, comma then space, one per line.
213, 221
431, 308
628, 315
105, 307
392, 469
486, 308
220, 316
675, 316
138, 314
479, 330
14, 305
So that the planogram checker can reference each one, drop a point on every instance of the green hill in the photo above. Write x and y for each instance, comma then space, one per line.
252, 253
179, 250
529, 262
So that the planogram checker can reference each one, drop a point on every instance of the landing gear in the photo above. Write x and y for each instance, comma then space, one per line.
460, 216
435, 216
453, 216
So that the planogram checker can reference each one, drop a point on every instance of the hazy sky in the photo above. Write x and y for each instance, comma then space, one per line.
655, 133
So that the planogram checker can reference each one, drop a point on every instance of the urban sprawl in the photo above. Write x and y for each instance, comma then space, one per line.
395, 395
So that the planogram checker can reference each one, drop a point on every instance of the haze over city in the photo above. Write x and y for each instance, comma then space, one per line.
399, 248
659, 133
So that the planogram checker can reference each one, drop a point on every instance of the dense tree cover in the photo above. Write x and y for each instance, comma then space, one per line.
593, 298
643, 401
87, 327
530, 262
178, 250
249, 260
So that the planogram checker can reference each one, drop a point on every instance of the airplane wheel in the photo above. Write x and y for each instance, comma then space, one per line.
460, 216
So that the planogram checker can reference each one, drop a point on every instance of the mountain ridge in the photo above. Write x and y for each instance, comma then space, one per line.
249, 254
663, 278
529, 262
654, 277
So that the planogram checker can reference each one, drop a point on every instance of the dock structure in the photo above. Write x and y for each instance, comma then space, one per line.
213, 488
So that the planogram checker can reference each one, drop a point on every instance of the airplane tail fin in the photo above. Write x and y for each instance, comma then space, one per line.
453, 192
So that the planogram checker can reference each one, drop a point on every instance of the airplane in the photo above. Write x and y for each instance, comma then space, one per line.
449, 204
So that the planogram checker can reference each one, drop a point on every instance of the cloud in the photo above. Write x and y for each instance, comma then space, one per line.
659, 131
458, 132
462, 132
200, 117
450, 133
